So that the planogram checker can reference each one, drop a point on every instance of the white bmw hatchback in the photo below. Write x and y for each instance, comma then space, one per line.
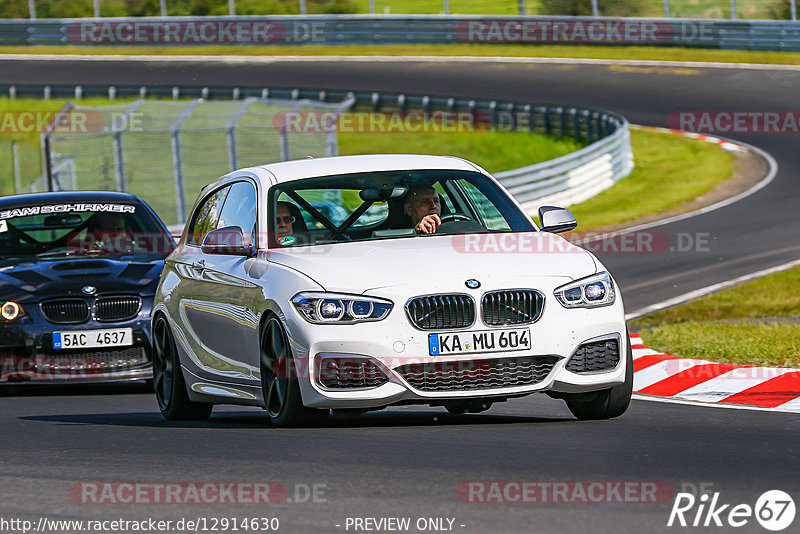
355, 283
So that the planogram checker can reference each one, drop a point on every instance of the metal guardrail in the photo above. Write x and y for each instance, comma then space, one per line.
403, 29
607, 157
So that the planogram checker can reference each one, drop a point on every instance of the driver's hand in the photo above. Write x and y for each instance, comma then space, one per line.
428, 224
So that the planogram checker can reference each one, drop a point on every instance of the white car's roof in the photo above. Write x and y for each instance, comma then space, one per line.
309, 168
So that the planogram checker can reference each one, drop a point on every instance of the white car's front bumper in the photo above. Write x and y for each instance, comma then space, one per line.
394, 342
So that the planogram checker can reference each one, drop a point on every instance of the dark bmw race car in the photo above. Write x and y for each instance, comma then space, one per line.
78, 271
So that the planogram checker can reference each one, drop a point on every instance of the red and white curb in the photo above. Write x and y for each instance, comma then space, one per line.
704, 381
725, 144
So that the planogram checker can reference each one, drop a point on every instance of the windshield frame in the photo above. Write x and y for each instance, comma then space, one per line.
448, 179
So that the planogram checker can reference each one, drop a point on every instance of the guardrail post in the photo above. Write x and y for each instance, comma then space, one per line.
32, 9
562, 122
793, 8
733, 9
302, 7
162, 4
595, 11
522, 7
531, 117
666, 8
232, 8
493, 114
576, 124
96, 8
17, 174
177, 158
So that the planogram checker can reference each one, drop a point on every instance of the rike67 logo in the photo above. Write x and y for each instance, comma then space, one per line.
774, 510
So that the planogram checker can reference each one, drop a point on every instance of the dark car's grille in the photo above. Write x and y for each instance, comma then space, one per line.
66, 311
340, 373
513, 306
595, 356
433, 312
116, 308
477, 374
90, 361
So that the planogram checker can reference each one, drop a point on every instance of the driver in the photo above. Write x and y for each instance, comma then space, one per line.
424, 208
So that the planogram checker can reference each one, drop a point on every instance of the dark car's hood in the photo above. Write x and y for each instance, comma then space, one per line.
28, 281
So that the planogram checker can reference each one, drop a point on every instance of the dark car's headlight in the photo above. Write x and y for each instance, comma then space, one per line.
589, 292
326, 308
10, 311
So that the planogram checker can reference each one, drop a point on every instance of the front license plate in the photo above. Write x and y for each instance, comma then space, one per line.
483, 341
79, 339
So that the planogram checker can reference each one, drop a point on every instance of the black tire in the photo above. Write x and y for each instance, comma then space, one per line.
168, 382
608, 403
279, 382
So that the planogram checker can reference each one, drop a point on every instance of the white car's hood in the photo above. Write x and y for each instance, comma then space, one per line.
358, 267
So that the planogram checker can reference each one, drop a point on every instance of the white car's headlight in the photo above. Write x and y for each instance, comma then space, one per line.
327, 308
589, 292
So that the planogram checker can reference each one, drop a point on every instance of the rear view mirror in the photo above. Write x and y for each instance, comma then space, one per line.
72, 219
228, 241
383, 194
556, 220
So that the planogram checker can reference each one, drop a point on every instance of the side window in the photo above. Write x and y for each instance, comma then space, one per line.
240, 210
206, 216
492, 218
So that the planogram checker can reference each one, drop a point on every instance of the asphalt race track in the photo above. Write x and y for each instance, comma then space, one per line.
410, 462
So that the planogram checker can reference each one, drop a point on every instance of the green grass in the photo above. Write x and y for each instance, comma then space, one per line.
669, 171
494, 151
725, 326
775, 295
760, 344
510, 50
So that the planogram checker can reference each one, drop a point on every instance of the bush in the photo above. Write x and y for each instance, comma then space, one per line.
610, 8
779, 10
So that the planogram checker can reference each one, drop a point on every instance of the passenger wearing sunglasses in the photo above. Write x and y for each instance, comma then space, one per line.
283, 226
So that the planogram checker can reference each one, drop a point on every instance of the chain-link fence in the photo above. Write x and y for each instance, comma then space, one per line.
720, 9
165, 152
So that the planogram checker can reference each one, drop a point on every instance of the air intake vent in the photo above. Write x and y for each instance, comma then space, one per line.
508, 307
595, 356
66, 311
436, 312
116, 308
465, 375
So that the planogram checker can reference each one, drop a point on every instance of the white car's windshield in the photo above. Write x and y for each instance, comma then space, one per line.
390, 205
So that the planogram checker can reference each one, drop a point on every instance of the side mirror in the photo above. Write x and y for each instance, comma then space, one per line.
556, 220
228, 241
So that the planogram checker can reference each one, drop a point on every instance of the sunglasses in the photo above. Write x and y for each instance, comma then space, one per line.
286, 220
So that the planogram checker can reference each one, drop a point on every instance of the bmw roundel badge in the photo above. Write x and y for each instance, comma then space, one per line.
89, 290
472, 283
